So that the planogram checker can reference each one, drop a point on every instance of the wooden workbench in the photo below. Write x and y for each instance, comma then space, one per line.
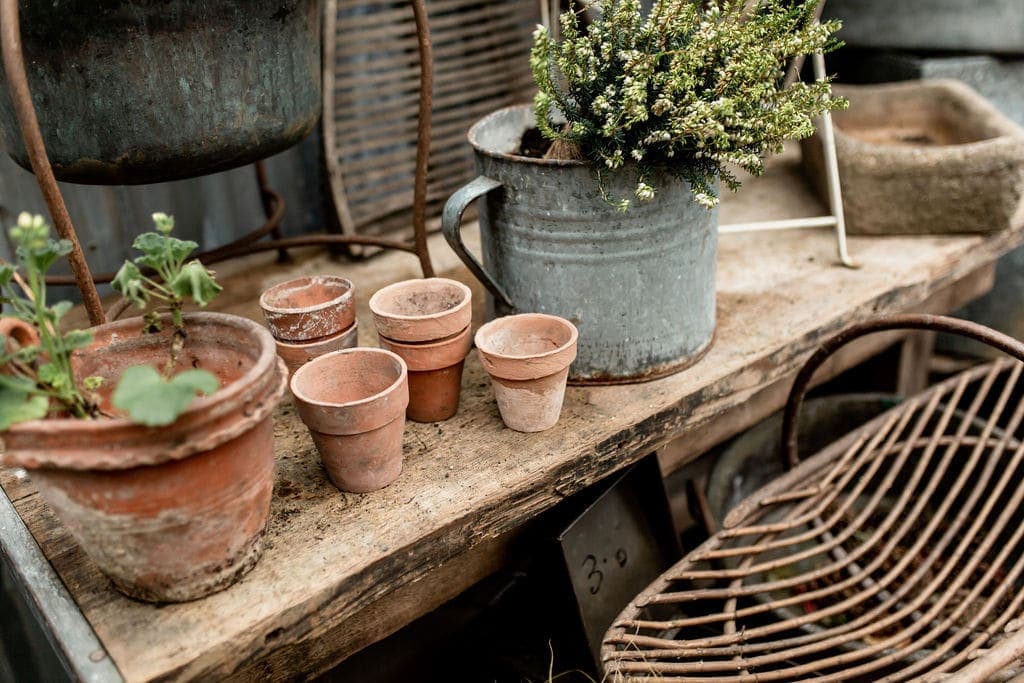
342, 570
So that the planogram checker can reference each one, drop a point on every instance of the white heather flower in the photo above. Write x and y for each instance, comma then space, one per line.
644, 192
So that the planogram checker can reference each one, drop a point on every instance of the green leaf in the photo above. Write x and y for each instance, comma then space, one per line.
6, 274
60, 309
195, 282
16, 383
51, 374
129, 283
199, 381
92, 382
151, 400
20, 406
161, 251
77, 339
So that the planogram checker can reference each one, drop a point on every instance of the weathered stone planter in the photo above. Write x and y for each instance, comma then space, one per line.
139, 92
925, 157
168, 513
962, 25
639, 285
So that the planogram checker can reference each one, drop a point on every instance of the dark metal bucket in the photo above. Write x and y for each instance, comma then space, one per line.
141, 91
639, 284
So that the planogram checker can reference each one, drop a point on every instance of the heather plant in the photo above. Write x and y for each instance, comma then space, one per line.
694, 88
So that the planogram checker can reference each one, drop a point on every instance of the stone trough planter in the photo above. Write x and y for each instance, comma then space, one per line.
923, 157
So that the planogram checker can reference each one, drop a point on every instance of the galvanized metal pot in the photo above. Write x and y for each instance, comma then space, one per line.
134, 91
639, 285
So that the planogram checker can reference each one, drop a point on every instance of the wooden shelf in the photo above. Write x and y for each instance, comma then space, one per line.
341, 570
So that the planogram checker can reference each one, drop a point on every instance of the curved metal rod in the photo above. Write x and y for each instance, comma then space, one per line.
28, 122
909, 321
315, 240
419, 200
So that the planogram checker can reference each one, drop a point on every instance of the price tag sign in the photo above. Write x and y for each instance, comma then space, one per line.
617, 547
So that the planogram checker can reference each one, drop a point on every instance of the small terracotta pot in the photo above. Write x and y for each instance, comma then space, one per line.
422, 310
435, 374
353, 403
309, 308
297, 354
528, 358
168, 513
19, 331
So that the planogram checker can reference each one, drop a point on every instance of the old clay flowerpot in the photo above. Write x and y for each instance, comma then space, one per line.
297, 354
639, 284
435, 374
353, 403
422, 310
309, 308
168, 513
528, 358
426, 322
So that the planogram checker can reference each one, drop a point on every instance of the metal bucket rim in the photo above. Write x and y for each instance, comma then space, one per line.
474, 134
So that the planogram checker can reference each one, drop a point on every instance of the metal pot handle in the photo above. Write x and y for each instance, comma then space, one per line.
451, 224
908, 321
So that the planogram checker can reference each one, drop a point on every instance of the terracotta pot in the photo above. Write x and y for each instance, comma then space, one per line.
19, 331
435, 374
353, 403
528, 358
295, 355
422, 310
309, 308
169, 513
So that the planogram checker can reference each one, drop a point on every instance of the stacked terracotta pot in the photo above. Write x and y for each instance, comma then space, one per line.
427, 323
310, 317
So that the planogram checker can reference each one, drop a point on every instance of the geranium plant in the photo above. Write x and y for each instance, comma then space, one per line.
692, 87
39, 380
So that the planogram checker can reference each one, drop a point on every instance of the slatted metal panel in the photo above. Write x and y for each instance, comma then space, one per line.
371, 82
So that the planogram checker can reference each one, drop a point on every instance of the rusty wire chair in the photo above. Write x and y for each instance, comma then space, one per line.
894, 554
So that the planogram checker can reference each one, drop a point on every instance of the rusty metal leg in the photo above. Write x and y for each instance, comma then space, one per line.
268, 198
21, 97
419, 202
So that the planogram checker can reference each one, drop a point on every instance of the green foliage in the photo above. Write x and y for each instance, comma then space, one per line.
176, 278
151, 399
693, 87
38, 378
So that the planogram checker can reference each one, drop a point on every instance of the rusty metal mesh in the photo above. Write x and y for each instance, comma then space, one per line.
894, 554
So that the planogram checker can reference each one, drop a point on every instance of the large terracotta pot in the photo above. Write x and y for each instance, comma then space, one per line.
131, 91
168, 513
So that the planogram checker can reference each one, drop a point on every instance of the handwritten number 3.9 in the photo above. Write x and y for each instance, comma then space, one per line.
595, 575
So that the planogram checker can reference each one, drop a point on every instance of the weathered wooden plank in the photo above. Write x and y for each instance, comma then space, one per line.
331, 556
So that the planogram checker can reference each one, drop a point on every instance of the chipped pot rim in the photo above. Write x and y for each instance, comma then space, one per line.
306, 280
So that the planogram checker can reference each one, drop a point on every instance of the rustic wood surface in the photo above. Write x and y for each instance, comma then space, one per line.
332, 556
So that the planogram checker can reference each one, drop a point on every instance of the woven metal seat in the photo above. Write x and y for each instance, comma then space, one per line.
893, 554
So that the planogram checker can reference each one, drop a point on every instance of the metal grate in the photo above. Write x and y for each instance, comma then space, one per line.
371, 77
894, 554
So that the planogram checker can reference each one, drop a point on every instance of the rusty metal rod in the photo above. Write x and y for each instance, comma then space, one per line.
314, 240
28, 122
419, 201
912, 321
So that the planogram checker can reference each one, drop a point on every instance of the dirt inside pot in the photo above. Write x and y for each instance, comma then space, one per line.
346, 378
425, 302
227, 357
539, 338
533, 144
